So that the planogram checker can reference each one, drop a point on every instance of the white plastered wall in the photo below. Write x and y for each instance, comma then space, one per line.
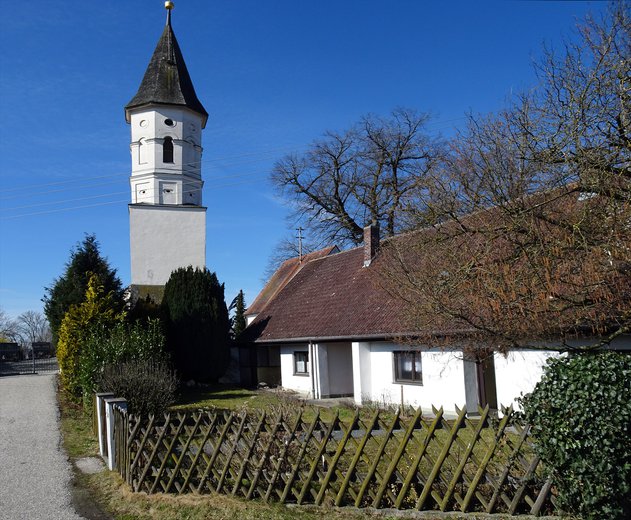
518, 372
147, 126
163, 239
373, 376
330, 369
298, 383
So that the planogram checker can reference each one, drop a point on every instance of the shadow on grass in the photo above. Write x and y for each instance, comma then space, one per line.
189, 396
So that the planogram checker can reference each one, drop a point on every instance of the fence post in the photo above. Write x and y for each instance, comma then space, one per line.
100, 421
110, 403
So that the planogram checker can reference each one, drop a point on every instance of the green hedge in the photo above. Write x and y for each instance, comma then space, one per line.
580, 412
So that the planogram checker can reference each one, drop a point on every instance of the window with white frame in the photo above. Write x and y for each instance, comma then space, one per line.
407, 367
301, 363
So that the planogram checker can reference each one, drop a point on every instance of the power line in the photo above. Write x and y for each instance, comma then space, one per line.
258, 156
122, 201
62, 209
207, 185
219, 160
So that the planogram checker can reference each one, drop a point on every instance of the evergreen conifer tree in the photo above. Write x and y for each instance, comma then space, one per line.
197, 324
70, 288
238, 321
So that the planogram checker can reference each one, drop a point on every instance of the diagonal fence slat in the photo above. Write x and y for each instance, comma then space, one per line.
413, 469
183, 453
481, 468
457, 475
282, 458
200, 450
264, 457
169, 450
427, 489
339, 452
215, 454
246, 457
396, 459
231, 453
373, 468
301, 454
316, 459
499, 483
356, 458
154, 452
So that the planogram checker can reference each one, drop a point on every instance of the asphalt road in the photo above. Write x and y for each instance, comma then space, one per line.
35, 475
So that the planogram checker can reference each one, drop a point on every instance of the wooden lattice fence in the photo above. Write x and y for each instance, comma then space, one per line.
383, 460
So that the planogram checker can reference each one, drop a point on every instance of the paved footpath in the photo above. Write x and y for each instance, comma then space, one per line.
35, 473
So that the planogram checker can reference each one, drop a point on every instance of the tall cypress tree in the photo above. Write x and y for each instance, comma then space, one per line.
70, 288
197, 324
238, 321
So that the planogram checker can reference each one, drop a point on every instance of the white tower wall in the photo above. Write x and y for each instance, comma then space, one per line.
166, 217
154, 181
167, 221
164, 238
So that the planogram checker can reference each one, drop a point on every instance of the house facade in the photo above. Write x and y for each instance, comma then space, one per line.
324, 327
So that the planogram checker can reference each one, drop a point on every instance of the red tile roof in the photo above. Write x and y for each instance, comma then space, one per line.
282, 276
336, 297
332, 297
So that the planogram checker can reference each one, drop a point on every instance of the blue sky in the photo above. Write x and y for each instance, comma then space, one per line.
274, 75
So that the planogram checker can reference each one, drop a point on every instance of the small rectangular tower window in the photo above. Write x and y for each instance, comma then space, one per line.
143, 192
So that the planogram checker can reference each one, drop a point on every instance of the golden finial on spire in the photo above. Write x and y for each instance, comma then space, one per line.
168, 5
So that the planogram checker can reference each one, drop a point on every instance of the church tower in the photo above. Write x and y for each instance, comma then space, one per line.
166, 217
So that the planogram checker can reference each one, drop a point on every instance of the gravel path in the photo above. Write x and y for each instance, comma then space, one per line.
35, 474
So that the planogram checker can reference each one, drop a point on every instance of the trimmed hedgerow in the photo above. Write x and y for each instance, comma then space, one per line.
580, 413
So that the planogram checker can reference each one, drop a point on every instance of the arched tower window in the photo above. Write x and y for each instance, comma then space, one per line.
167, 150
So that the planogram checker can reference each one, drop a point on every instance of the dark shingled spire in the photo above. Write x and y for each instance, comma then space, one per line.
166, 80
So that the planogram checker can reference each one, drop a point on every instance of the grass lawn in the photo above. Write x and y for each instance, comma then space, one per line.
225, 397
234, 398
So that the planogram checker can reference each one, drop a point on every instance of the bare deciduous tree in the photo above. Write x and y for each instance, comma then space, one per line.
375, 171
32, 327
531, 211
8, 327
